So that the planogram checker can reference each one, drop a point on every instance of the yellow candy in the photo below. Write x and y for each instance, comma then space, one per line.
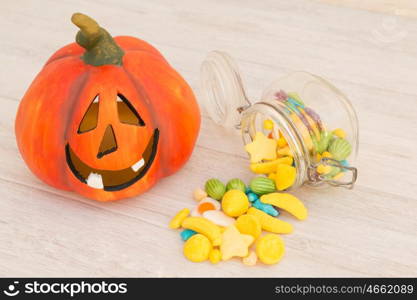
282, 142
270, 223
270, 248
327, 154
339, 133
286, 202
179, 217
272, 176
251, 259
286, 151
261, 148
323, 169
205, 227
318, 157
312, 123
249, 224
235, 203
285, 177
303, 130
199, 194
338, 176
271, 166
215, 256
197, 248
268, 124
234, 243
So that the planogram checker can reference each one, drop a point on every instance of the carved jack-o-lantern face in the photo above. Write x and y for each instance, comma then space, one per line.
102, 178
107, 119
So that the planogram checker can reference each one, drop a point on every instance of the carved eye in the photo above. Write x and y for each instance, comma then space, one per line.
127, 113
89, 121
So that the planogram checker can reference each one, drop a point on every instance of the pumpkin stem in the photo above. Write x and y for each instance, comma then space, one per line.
101, 49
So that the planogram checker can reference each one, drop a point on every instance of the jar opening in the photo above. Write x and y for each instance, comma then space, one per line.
252, 122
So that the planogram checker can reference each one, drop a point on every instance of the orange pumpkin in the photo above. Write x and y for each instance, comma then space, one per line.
106, 117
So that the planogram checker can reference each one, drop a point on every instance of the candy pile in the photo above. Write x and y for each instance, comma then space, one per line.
229, 219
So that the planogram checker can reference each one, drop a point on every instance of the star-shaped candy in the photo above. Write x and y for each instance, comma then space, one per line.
234, 243
262, 148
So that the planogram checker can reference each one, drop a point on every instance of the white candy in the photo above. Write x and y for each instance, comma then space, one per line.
196, 211
219, 218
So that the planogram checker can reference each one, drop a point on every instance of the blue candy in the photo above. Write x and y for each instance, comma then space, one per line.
248, 190
252, 196
266, 208
187, 233
295, 102
344, 163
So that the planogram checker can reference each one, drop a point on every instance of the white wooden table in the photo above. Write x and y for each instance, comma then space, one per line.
366, 48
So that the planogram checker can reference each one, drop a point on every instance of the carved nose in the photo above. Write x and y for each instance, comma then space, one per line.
108, 143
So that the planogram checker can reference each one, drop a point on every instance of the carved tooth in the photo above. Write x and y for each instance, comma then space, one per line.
95, 99
95, 181
138, 165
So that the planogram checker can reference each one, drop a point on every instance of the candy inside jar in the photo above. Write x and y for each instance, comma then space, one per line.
303, 131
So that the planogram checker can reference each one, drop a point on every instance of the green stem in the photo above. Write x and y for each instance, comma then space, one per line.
101, 49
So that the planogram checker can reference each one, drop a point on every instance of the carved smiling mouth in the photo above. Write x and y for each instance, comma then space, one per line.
113, 180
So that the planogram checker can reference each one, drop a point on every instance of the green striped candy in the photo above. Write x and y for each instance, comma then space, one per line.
340, 149
215, 188
262, 185
236, 184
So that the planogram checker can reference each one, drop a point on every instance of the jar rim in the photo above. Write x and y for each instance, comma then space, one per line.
288, 129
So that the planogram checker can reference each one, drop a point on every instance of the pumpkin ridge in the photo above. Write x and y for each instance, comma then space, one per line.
141, 91
137, 84
78, 87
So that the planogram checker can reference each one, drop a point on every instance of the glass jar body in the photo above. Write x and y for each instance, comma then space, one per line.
304, 108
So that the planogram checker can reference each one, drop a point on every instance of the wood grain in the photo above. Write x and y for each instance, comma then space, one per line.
396, 7
363, 49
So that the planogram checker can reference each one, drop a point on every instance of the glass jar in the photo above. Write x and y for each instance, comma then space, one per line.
303, 106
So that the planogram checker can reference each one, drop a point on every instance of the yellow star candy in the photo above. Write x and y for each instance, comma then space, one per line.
234, 243
261, 148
